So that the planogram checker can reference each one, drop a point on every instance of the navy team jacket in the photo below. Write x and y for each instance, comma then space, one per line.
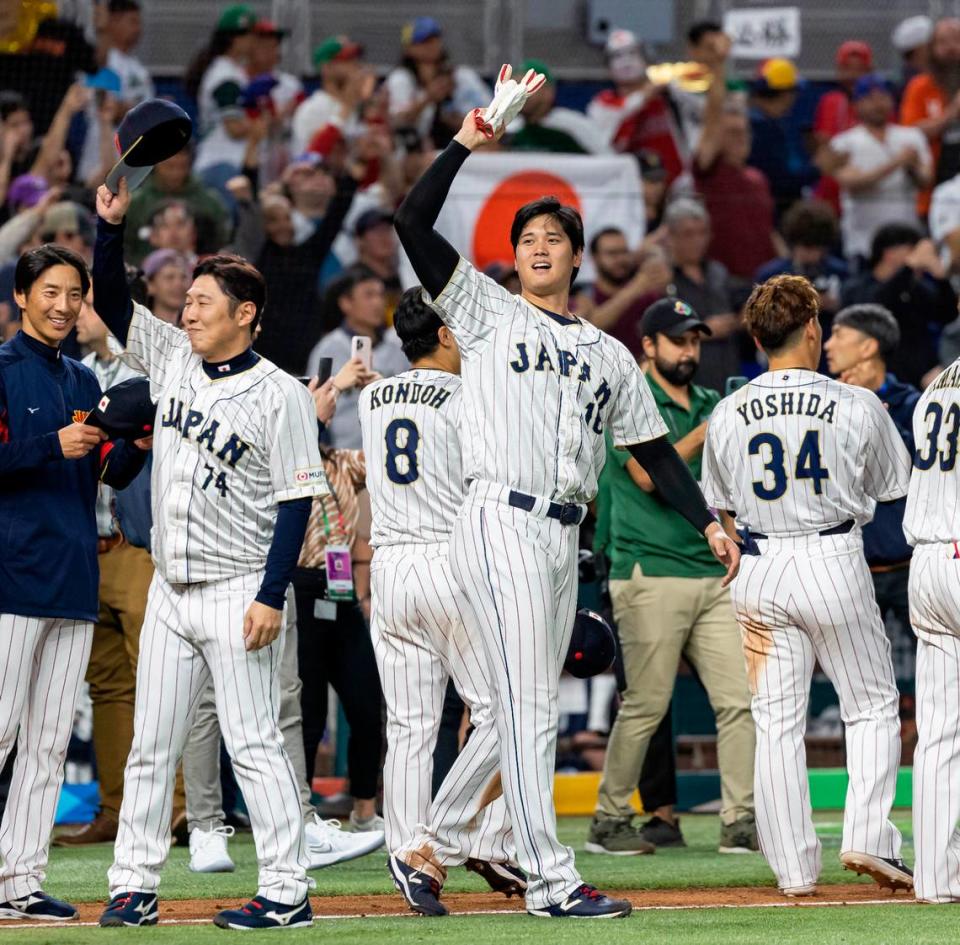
48, 528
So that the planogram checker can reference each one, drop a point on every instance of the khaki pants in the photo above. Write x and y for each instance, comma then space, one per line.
659, 620
125, 575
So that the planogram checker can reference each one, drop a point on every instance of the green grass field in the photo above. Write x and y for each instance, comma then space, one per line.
79, 876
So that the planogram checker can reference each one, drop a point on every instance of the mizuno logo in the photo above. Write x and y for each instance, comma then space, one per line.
145, 906
282, 918
32, 409
30, 900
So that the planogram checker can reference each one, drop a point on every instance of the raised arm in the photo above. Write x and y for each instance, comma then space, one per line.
110, 289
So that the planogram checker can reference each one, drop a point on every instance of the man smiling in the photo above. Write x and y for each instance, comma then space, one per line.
49, 469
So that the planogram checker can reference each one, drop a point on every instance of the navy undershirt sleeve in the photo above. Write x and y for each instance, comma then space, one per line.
673, 480
110, 288
284, 551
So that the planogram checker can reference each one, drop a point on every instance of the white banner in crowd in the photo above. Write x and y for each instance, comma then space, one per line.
764, 33
490, 188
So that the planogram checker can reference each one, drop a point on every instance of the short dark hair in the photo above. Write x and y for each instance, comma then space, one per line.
11, 102
873, 320
35, 262
239, 280
123, 6
417, 324
701, 28
810, 223
599, 235
778, 309
343, 284
136, 284
161, 208
568, 218
890, 235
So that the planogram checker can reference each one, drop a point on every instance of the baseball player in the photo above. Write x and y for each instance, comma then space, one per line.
409, 425
236, 464
539, 388
932, 525
802, 461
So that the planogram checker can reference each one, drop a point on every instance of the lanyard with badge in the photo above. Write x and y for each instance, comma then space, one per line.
337, 558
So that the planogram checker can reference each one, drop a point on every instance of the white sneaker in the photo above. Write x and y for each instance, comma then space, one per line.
327, 843
372, 824
208, 850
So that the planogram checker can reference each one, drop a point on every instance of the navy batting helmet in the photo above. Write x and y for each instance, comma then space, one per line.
592, 645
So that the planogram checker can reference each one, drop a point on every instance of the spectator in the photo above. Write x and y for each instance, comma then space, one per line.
654, 177
125, 575
835, 112
776, 148
216, 78
704, 284
346, 83
635, 115
379, 251
545, 127
123, 30
51, 467
167, 275
358, 298
68, 224
426, 91
911, 39
863, 338
737, 197
669, 602
173, 180
17, 150
266, 233
172, 226
931, 102
705, 41
623, 288
886, 166
810, 229
906, 276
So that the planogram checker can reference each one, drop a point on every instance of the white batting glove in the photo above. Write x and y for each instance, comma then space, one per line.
508, 99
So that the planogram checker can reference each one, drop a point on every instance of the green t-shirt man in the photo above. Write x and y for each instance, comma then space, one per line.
636, 527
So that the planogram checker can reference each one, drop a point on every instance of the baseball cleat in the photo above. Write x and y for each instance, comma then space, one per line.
263, 913
586, 902
37, 905
208, 850
328, 844
421, 891
500, 877
131, 909
892, 874
798, 892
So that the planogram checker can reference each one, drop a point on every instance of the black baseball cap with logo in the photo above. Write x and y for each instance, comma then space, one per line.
672, 318
125, 411
150, 133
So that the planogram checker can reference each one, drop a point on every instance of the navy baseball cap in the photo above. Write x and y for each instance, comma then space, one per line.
593, 646
150, 133
870, 83
125, 411
672, 318
420, 30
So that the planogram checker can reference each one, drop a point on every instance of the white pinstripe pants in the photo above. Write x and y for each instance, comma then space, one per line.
518, 573
192, 633
802, 601
42, 664
420, 640
935, 615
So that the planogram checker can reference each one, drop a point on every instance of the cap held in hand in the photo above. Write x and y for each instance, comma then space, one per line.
125, 411
150, 133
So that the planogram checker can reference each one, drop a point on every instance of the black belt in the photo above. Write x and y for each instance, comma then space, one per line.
566, 513
842, 529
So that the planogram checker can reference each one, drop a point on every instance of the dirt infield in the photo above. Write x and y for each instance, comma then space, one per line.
324, 907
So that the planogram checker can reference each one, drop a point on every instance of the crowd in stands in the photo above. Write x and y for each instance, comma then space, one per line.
302, 175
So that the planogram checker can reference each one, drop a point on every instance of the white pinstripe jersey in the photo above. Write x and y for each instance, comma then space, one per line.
795, 452
226, 452
538, 391
411, 442
933, 502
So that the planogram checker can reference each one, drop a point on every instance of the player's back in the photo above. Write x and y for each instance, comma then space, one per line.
796, 452
410, 427
933, 502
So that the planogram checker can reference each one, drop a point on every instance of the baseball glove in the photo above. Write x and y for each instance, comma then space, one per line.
509, 97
